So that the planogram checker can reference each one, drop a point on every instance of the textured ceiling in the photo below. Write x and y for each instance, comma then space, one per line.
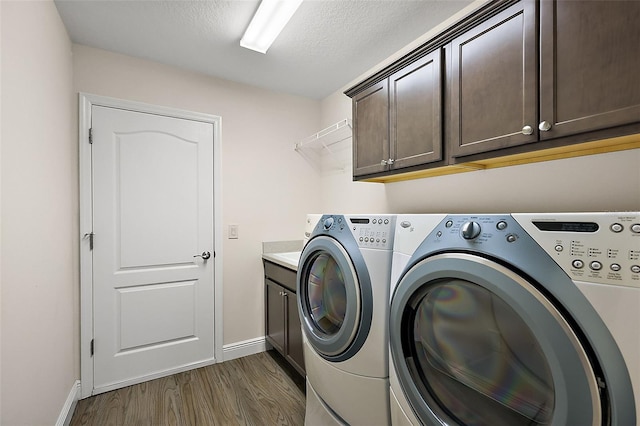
326, 45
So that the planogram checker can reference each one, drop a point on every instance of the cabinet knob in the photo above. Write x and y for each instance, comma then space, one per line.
390, 162
383, 163
544, 126
527, 130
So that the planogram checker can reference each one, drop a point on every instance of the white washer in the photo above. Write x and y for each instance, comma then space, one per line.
343, 294
518, 319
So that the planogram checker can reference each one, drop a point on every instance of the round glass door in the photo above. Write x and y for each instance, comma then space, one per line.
481, 362
474, 343
333, 300
327, 295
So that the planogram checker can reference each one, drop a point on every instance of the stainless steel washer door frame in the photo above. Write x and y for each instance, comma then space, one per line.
577, 399
357, 319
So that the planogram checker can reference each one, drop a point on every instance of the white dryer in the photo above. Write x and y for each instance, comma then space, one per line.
519, 319
343, 293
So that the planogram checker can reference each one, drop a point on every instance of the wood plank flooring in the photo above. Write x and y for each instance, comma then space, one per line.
254, 390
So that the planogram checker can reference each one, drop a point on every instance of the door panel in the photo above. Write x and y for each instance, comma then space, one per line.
153, 211
589, 65
371, 130
294, 332
416, 112
172, 166
275, 316
494, 83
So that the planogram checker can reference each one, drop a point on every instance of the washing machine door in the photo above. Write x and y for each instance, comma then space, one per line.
334, 297
474, 343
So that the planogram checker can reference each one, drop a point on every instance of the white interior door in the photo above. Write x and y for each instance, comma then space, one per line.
153, 306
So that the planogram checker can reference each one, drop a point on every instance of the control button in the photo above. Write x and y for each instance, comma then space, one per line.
635, 269
578, 264
559, 248
386, 222
384, 241
470, 230
366, 239
361, 239
511, 238
449, 224
377, 240
615, 267
339, 220
502, 225
595, 265
375, 221
616, 227
635, 228
328, 223
439, 234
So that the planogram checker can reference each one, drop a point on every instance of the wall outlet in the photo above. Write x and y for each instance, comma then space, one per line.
233, 232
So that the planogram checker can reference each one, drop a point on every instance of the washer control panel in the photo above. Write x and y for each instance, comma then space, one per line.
369, 231
592, 247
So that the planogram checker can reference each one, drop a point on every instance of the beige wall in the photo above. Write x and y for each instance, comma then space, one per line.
40, 359
265, 182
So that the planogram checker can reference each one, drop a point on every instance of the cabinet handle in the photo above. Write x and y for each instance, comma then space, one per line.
544, 126
390, 162
527, 130
383, 163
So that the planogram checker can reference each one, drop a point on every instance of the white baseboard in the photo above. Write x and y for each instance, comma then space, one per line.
64, 419
244, 348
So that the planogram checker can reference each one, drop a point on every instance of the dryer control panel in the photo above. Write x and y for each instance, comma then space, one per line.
592, 247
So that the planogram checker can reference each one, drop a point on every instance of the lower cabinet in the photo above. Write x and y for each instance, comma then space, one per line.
283, 330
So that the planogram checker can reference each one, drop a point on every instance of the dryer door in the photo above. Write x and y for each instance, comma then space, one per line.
334, 298
474, 343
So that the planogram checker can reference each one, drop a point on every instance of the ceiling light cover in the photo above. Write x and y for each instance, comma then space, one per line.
269, 20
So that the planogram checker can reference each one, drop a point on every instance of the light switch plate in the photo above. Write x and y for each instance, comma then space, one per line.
233, 232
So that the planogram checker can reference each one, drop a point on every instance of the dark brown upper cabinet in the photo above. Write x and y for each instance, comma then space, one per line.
590, 66
519, 81
371, 130
493, 83
416, 112
398, 121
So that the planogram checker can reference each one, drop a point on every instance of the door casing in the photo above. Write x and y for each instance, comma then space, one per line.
86, 102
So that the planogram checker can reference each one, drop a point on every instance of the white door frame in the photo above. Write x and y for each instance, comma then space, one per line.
86, 101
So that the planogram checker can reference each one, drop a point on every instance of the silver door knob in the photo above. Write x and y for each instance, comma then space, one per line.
205, 255
544, 126
527, 130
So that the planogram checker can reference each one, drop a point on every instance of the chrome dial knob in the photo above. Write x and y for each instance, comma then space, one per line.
470, 230
328, 223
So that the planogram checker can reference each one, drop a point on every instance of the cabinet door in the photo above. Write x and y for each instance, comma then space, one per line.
294, 333
371, 130
494, 83
415, 94
275, 316
590, 64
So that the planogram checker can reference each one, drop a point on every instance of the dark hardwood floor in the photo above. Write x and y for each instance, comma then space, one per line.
254, 390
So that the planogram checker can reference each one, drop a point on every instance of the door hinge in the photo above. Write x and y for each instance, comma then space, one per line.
90, 236
92, 347
91, 135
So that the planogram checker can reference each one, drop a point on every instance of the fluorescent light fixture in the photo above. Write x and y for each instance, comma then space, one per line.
269, 20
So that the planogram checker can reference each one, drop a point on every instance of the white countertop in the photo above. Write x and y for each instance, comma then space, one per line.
287, 259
